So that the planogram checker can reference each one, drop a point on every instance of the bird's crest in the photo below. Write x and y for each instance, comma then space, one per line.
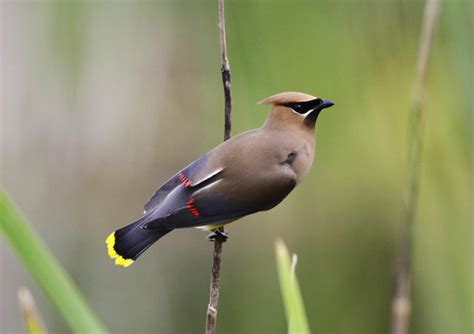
287, 97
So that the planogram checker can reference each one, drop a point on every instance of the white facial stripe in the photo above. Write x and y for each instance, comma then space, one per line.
308, 112
305, 114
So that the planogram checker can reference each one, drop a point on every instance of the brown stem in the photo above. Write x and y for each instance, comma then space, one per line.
215, 286
401, 302
225, 70
216, 259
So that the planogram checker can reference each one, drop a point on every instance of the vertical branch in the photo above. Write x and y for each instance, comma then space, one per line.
225, 70
214, 290
401, 302
218, 241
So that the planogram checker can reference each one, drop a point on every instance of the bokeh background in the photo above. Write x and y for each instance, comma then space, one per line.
101, 101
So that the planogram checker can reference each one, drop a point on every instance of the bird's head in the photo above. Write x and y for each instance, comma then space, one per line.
295, 108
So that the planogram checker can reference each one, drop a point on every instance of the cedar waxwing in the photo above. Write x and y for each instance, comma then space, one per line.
251, 172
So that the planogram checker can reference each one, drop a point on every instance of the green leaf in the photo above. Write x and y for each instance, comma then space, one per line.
294, 308
46, 271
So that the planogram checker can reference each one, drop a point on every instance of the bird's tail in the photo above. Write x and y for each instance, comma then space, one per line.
127, 243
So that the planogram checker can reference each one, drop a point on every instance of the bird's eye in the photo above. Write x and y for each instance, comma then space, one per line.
297, 106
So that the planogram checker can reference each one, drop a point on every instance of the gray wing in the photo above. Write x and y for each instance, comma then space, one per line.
195, 206
208, 203
189, 176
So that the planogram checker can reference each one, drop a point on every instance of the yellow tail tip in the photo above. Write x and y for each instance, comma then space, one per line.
119, 260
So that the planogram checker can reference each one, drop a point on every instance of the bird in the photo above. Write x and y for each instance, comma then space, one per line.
251, 172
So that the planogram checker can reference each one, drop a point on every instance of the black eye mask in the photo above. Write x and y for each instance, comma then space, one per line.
304, 107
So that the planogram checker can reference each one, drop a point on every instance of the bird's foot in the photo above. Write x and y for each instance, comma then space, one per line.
218, 234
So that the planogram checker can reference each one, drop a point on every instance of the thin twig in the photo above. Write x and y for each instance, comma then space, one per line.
225, 70
214, 290
401, 302
216, 260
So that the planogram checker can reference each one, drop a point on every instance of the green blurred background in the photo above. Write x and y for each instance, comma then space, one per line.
101, 101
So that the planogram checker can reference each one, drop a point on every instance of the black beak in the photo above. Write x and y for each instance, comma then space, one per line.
325, 104
311, 118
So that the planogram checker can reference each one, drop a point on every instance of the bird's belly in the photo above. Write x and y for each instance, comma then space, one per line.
263, 190
212, 227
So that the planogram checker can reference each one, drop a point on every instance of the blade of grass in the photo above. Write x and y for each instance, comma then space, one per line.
32, 320
46, 271
290, 290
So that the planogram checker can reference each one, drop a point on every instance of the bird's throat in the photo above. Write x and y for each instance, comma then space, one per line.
311, 118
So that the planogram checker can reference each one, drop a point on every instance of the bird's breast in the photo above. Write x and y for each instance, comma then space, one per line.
262, 167
302, 161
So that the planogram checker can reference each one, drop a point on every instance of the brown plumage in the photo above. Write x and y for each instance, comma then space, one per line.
251, 172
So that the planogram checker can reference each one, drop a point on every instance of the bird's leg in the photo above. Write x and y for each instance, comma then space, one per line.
218, 233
